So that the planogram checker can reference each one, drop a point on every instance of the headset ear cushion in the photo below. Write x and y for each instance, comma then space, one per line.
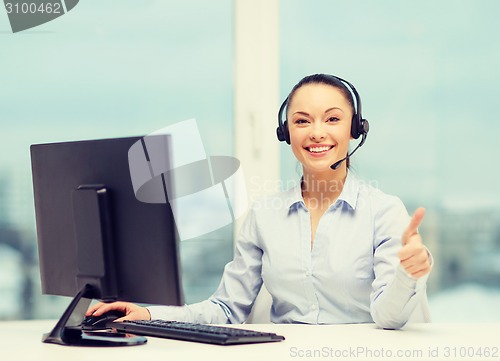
280, 135
286, 132
355, 127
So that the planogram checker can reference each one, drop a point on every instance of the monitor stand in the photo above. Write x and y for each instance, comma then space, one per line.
68, 330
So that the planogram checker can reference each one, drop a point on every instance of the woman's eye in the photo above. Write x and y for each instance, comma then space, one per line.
301, 121
333, 119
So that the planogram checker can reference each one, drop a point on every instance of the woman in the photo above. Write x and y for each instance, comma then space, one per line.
331, 250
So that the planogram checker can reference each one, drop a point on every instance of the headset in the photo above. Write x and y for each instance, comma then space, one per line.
359, 125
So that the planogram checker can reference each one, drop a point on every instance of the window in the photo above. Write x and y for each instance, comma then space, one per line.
109, 69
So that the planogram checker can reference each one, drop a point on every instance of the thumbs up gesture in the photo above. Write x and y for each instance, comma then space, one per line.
413, 255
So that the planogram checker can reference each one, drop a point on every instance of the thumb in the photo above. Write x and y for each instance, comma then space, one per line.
415, 221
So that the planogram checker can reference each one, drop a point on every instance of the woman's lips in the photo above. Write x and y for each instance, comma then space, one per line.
318, 150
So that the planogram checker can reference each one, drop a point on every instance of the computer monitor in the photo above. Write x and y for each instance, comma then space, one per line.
96, 240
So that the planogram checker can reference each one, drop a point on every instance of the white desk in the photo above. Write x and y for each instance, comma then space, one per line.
21, 340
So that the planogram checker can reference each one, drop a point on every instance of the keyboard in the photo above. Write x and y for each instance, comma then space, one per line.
219, 335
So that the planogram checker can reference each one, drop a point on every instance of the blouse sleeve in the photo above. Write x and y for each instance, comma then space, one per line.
240, 284
396, 294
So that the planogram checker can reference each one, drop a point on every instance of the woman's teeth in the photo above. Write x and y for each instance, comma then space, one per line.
319, 149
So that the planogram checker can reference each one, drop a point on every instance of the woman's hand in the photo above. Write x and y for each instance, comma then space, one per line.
413, 255
131, 311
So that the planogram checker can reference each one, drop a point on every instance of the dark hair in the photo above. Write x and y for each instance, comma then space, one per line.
328, 80
323, 79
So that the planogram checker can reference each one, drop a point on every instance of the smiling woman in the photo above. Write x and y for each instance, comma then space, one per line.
415, 64
331, 250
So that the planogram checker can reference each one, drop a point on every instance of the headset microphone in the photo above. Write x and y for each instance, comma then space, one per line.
337, 164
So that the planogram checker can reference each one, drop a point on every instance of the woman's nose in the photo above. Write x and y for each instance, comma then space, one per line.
317, 132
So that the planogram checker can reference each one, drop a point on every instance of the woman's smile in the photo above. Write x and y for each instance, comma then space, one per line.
318, 150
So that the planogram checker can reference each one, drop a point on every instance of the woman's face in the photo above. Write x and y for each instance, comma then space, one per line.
319, 121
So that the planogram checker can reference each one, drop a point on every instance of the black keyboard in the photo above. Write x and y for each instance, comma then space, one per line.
219, 335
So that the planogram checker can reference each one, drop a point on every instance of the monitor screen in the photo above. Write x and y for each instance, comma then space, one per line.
92, 230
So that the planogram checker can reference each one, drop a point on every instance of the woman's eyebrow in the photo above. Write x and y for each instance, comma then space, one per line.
326, 111
301, 113
333, 108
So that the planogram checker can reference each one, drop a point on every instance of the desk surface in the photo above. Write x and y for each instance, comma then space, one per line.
21, 340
